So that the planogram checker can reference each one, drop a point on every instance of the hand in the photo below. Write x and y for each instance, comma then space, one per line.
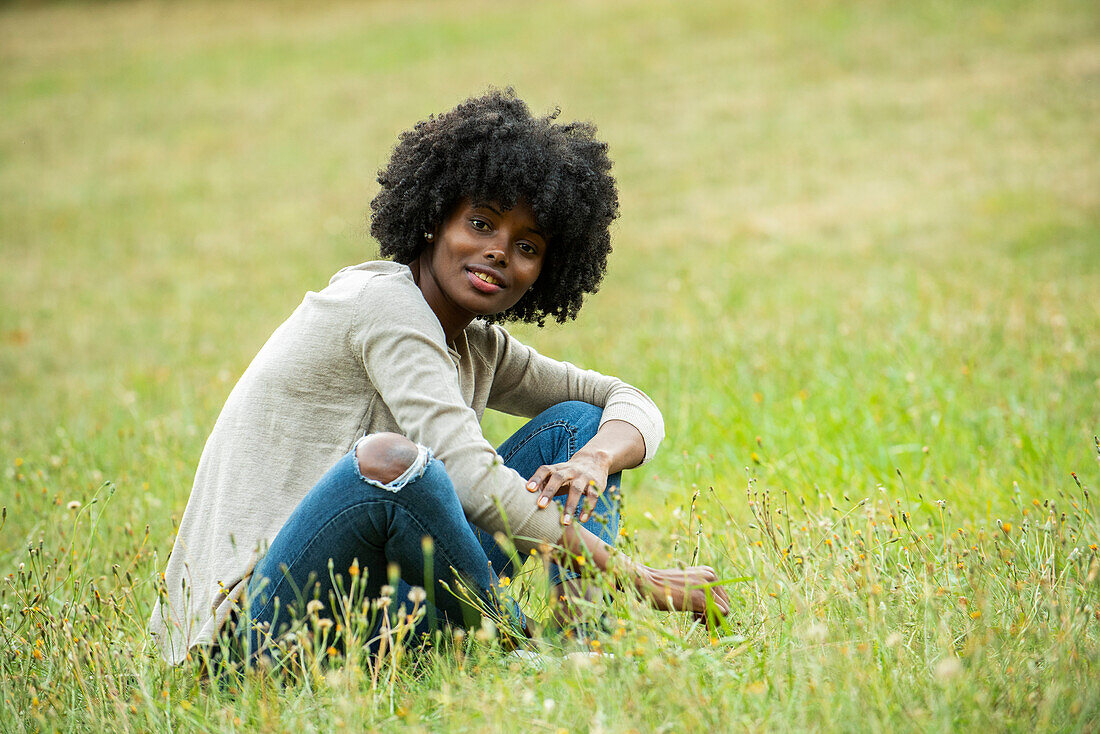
686, 590
583, 476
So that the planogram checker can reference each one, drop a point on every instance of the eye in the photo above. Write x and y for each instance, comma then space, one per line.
528, 248
480, 224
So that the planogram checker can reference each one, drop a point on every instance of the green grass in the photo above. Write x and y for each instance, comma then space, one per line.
858, 266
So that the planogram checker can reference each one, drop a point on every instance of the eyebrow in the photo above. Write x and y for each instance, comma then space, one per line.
483, 205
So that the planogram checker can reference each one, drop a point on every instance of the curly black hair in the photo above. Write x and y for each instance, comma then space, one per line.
491, 148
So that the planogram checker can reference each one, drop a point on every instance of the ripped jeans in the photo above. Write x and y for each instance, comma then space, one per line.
345, 518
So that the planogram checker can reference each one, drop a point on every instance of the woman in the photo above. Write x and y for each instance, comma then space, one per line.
355, 432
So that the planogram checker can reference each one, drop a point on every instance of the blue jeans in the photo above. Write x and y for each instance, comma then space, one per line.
346, 517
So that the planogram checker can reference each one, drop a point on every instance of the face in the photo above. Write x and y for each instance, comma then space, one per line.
481, 261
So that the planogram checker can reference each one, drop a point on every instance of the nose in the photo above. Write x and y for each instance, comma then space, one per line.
496, 253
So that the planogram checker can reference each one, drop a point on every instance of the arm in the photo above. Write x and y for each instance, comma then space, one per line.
527, 383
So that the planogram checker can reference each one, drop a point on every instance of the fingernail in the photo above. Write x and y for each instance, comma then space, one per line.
544, 501
584, 517
531, 486
567, 520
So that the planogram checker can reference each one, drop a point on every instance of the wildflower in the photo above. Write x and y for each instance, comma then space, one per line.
417, 595
324, 624
388, 590
504, 582
755, 457
332, 651
315, 606
74, 505
353, 569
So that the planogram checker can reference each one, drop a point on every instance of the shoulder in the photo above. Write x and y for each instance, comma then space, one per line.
381, 301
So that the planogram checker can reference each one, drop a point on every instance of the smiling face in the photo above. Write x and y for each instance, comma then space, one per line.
482, 259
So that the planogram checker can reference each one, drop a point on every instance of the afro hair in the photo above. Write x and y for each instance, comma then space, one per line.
491, 148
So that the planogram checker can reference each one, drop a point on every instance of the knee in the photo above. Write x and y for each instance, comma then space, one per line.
584, 417
384, 457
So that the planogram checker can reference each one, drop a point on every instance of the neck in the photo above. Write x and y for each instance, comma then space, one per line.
451, 318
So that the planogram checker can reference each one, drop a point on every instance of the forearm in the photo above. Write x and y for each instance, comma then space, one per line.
617, 446
578, 542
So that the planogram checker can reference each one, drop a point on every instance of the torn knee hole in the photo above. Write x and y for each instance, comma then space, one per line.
383, 457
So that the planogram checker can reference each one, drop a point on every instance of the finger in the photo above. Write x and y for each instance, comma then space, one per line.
719, 601
591, 496
714, 616
552, 487
538, 478
575, 494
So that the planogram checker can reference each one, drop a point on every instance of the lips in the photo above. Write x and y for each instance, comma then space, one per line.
485, 279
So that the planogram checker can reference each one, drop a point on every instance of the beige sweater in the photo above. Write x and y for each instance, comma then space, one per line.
366, 354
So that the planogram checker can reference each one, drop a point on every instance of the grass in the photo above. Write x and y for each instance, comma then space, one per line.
857, 266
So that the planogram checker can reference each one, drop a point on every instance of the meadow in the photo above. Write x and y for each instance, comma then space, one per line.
858, 267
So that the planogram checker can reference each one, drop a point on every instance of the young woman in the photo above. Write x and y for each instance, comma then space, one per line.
355, 432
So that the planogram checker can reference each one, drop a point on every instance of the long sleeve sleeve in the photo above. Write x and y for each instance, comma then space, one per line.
526, 383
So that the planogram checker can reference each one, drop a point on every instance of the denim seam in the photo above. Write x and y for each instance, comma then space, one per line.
321, 532
570, 430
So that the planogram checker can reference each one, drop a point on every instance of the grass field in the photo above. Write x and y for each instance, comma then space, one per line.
858, 266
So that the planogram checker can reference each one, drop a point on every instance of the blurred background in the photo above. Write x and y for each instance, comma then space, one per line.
858, 239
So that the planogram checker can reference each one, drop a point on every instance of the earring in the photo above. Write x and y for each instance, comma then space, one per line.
429, 236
